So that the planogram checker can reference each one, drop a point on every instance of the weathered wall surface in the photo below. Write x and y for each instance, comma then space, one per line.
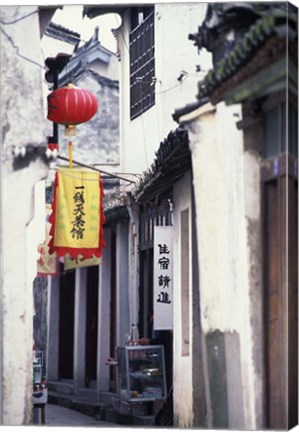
227, 195
182, 363
40, 324
22, 122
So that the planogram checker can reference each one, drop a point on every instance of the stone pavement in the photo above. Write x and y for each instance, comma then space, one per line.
57, 415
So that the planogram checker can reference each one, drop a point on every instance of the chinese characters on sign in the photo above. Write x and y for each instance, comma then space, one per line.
163, 290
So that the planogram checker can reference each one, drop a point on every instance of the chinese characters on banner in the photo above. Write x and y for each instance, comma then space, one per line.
77, 218
163, 278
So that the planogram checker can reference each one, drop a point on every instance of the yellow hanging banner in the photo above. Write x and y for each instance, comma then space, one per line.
77, 216
80, 262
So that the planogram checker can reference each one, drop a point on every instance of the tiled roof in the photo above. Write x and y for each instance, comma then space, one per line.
59, 32
171, 162
268, 28
116, 214
179, 112
80, 71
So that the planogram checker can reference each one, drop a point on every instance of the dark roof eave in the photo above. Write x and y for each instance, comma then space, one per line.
116, 214
189, 108
59, 28
172, 161
258, 35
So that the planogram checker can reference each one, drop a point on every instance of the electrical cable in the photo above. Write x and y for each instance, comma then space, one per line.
170, 88
95, 169
21, 55
18, 19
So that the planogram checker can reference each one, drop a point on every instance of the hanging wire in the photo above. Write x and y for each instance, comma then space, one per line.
18, 19
96, 169
170, 88
18, 51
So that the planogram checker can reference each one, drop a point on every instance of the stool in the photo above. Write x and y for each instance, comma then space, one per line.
41, 407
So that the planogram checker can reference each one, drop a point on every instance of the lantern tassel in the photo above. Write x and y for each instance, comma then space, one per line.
70, 154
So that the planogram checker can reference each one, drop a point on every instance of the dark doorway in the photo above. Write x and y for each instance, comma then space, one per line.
146, 292
151, 217
66, 324
91, 335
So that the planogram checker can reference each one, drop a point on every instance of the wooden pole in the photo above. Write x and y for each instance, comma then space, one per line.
70, 154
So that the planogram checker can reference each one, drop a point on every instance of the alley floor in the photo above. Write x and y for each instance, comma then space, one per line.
57, 415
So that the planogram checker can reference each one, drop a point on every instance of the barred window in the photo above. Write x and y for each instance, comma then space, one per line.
142, 61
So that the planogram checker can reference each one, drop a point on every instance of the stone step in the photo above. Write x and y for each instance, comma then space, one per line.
85, 406
125, 419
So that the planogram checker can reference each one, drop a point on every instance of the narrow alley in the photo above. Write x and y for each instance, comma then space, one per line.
149, 215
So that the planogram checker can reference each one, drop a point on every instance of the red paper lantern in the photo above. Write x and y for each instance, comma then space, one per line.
70, 106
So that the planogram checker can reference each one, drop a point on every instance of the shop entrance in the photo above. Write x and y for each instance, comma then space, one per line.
151, 217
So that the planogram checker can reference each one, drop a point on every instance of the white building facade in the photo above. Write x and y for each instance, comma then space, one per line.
151, 87
23, 110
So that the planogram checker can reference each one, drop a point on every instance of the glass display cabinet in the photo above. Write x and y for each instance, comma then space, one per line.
141, 373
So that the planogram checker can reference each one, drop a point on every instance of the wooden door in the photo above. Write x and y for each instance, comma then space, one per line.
293, 303
275, 305
281, 300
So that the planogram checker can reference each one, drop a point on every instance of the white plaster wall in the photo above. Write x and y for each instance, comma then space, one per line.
182, 365
224, 195
20, 238
219, 200
22, 113
141, 137
176, 53
22, 122
113, 68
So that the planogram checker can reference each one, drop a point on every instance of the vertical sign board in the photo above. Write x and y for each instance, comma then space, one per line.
163, 278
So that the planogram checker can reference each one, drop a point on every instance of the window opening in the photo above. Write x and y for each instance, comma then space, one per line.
142, 62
